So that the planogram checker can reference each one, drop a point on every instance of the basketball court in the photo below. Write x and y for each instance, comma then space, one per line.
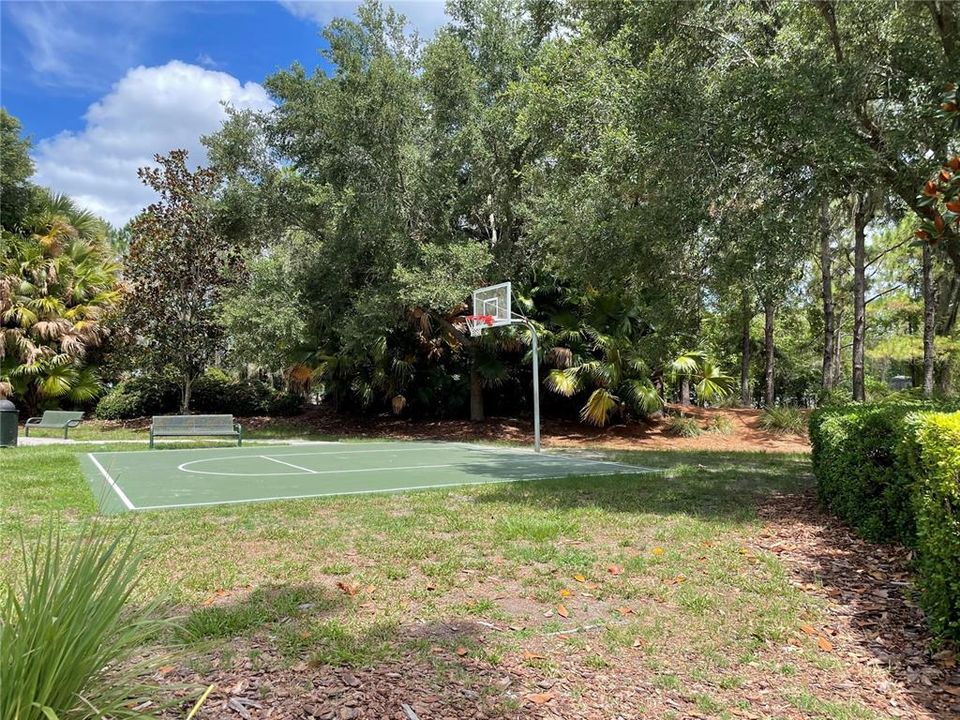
170, 479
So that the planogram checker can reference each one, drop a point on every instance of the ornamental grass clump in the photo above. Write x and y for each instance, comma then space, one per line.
783, 420
68, 629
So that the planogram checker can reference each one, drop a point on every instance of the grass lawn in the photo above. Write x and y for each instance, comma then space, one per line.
584, 597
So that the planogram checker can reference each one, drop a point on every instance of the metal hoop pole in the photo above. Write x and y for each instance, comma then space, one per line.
536, 385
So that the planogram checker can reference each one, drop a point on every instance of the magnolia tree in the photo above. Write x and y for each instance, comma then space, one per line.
938, 206
178, 265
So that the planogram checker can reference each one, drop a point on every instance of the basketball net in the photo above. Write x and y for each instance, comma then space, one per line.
476, 324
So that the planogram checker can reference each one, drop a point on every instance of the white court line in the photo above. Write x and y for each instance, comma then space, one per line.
311, 472
116, 488
435, 445
349, 492
267, 457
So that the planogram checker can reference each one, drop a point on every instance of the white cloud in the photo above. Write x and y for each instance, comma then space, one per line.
426, 16
149, 111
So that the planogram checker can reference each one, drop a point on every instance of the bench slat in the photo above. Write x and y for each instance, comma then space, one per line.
58, 418
194, 425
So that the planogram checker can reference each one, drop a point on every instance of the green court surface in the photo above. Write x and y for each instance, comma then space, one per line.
166, 479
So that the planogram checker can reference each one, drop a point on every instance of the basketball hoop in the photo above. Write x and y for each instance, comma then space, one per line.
476, 324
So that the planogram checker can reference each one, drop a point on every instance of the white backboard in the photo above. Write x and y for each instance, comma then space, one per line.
493, 300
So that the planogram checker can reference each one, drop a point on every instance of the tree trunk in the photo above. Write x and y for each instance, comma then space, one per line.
945, 377
476, 394
746, 397
826, 279
837, 350
929, 320
685, 391
185, 393
860, 219
769, 391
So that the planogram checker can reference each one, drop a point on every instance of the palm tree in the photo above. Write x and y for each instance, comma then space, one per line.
593, 341
58, 281
710, 383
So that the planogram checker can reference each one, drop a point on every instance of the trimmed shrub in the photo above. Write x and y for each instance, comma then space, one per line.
214, 392
783, 420
140, 397
855, 462
893, 471
930, 452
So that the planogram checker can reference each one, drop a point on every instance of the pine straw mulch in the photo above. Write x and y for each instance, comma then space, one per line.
745, 435
875, 649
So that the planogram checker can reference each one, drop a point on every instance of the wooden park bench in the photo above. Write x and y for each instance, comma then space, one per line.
58, 419
195, 426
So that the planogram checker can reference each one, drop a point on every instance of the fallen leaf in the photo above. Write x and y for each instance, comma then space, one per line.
639, 642
562, 611
218, 593
591, 586
348, 588
614, 569
163, 670
540, 698
952, 689
527, 655
461, 651
808, 629
564, 593
625, 610
579, 578
658, 551
824, 644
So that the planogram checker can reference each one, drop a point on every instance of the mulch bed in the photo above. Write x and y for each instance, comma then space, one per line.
876, 626
746, 434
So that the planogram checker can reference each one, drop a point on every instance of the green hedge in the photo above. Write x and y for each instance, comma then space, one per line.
892, 470
214, 392
855, 462
930, 451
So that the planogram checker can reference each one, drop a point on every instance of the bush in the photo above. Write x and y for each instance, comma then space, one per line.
855, 463
721, 425
66, 631
893, 471
214, 392
682, 426
783, 420
140, 397
930, 453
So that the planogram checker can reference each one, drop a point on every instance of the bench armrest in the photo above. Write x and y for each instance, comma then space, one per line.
73, 423
30, 421
237, 428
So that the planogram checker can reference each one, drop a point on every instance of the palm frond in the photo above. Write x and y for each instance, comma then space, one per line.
563, 382
600, 406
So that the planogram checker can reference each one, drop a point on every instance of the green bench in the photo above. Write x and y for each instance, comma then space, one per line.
195, 426
56, 419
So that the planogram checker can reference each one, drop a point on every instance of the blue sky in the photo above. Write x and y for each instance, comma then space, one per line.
102, 86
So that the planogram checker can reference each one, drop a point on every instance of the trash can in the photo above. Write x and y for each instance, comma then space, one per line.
9, 417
